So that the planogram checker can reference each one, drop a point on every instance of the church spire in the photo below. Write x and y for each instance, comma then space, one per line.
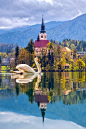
43, 114
42, 26
42, 21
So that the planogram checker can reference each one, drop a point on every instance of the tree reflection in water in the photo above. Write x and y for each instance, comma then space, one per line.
68, 87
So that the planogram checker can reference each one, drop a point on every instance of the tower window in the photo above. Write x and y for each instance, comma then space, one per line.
41, 105
41, 36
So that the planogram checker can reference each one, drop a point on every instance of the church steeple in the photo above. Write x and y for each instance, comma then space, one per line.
42, 26
38, 38
43, 114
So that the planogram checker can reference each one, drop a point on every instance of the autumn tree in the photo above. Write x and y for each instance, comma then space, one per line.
62, 62
85, 60
23, 57
68, 56
80, 64
12, 63
50, 46
72, 64
3, 54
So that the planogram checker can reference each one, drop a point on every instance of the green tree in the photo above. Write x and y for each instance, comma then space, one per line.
58, 51
16, 54
17, 51
43, 61
52, 59
0, 60
17, 89
30, 95
30, 46
74, 53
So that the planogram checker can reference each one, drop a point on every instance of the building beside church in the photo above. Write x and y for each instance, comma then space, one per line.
41, 41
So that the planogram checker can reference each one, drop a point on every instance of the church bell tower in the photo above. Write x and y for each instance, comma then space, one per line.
43, 35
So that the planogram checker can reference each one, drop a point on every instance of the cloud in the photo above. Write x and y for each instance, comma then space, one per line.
9, 120
14, 22
26, 12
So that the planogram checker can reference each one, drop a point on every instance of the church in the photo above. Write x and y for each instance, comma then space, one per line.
41, 41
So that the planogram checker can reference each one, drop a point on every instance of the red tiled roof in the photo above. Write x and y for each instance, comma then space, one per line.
41, 98
41, 43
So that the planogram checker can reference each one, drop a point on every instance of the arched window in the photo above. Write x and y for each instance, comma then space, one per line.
41, 36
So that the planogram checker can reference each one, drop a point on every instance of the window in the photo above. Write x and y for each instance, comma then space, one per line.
41, 36
41, 105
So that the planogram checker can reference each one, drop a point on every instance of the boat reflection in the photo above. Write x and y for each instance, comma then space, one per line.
24, 78
40, 98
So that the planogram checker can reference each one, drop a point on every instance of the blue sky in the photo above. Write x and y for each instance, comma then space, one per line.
15, 13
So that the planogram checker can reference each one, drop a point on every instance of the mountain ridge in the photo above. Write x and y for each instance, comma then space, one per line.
60, 30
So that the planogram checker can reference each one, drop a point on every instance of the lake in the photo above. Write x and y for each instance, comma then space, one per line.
48, 101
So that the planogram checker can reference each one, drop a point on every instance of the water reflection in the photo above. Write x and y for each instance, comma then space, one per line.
41, 97
53, 87
24, 78
63, 86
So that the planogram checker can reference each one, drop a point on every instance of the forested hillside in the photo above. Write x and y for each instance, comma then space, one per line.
7, 47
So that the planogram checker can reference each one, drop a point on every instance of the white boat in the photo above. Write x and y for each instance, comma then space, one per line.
24, 68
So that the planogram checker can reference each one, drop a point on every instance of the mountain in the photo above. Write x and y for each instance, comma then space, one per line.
22, 35
73, 29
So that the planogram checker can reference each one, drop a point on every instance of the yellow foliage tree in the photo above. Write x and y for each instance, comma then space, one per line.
50, 46
3, 54
80, 64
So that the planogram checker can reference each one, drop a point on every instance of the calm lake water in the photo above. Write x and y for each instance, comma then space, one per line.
48, 101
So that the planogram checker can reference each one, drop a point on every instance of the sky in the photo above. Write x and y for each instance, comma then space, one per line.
14, 13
